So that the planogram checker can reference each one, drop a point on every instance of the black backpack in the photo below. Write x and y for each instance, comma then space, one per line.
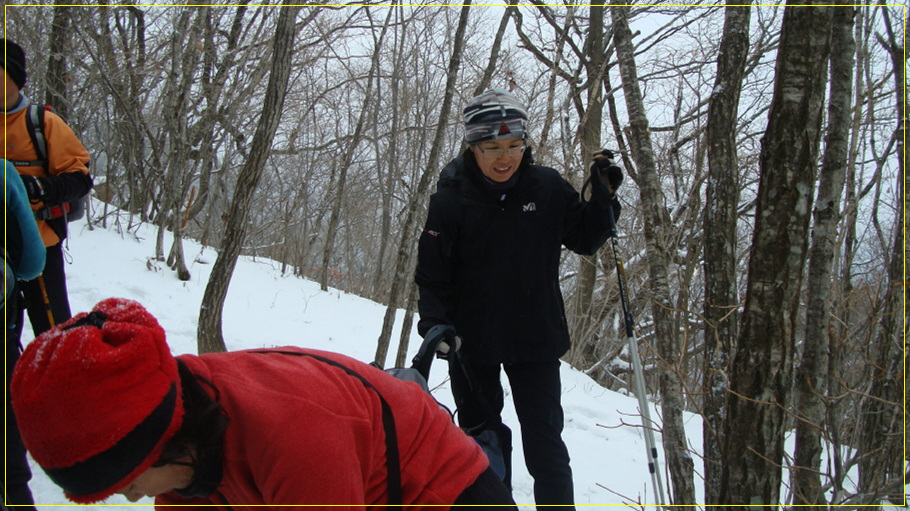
34, 122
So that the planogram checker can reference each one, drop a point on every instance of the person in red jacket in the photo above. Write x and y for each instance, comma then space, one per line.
105, 408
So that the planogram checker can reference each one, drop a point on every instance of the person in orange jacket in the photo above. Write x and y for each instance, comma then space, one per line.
105, 408
50, 185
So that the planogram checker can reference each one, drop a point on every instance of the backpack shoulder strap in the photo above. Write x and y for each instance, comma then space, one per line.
34, 124
34, 121
393, 463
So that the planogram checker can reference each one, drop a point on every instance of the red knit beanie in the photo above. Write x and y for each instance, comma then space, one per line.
96, 399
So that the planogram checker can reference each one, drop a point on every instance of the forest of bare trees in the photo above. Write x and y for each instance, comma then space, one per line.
763, 212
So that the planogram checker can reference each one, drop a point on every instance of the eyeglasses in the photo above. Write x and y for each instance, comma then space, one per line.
497, 153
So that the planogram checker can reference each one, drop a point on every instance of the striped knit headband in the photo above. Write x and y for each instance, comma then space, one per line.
493, 115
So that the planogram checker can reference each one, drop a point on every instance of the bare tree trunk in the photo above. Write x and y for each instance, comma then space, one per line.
840, 338
494, 51
132, 136
675, 444
56, 95
418, 197
183, 65
580, 321
394, 167
762, 371
592, 55
215, 75
548, 121
209, 334
883, 424
348, 155
721, 203
405, 337
811, 374
882, 435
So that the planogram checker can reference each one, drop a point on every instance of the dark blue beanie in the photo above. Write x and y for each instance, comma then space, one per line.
14, 62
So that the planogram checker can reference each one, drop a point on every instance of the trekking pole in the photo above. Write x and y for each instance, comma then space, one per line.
638, 376
47, 301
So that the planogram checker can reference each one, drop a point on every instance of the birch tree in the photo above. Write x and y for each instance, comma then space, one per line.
761, 375
882, 464
812, 372
721, 204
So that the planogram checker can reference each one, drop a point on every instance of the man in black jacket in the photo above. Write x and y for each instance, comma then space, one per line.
488, 270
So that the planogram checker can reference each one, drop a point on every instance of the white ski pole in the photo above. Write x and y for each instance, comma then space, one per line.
648, 425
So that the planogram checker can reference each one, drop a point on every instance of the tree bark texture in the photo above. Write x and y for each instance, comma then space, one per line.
721, 203
810, 386
762, 370
679, 459
209, 332
394, 167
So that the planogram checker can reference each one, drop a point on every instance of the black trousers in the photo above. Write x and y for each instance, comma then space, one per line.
55, 284
18, 474
536, 393
485, 492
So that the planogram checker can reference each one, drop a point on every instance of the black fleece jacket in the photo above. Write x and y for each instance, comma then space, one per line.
489, 265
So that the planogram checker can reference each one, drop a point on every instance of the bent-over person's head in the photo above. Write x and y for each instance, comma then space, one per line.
98, 399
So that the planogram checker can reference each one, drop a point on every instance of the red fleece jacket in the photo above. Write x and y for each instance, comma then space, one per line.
304, 432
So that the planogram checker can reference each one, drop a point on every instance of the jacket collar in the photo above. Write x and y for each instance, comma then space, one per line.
20, 105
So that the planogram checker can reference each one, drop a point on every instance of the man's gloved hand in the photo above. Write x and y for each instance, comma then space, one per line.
444, 339
606, 170
34, 187
440, 341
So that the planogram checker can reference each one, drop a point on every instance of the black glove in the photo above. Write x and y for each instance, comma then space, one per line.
606, 169
34, 187
440, 341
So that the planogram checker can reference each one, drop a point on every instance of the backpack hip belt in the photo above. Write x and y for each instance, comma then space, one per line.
55, 211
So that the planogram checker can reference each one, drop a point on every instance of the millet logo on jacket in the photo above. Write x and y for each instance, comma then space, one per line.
529, 207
